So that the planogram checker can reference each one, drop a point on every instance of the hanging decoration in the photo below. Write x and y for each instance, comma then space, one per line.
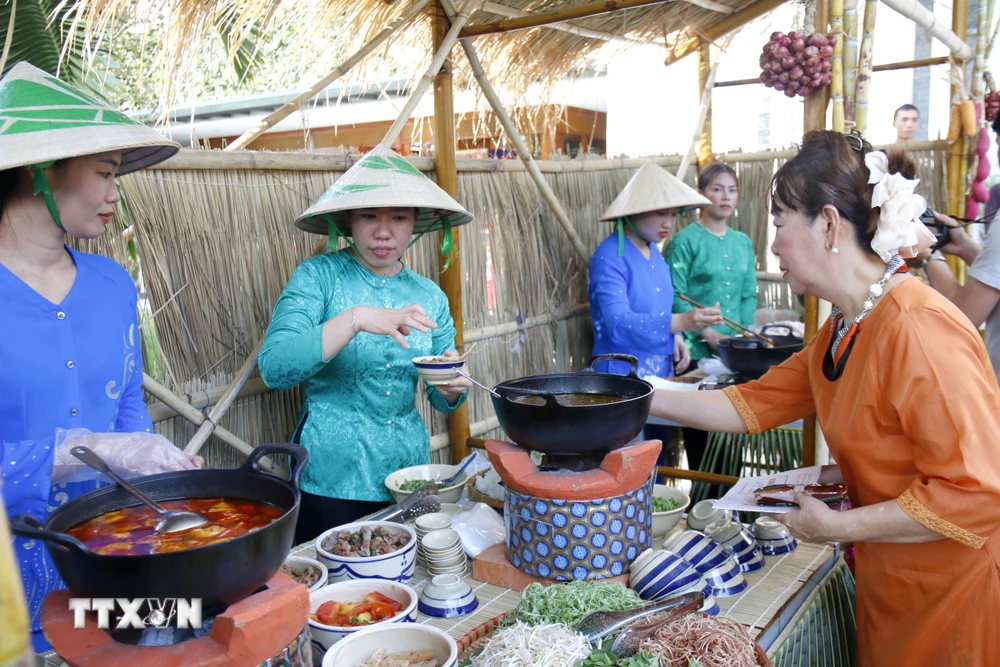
796, 63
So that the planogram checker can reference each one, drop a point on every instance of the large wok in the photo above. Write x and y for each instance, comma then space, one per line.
751, 357
219, 574
554, 428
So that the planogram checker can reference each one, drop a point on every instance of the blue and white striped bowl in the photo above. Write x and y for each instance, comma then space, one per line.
777, 547
723, 576
447, 596
691, 545
717, 557
754, 563
661, 573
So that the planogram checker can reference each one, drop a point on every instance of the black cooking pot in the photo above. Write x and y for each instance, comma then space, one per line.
751, 357
554, 428
219, 574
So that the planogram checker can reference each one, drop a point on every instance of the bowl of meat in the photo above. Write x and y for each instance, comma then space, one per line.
369, 550
341, 609
307, 571
413, 644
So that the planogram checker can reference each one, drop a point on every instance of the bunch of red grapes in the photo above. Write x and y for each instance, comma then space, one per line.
992, 104
797, 63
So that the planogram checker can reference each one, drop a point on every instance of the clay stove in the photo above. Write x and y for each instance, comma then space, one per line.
267, 628
576, 517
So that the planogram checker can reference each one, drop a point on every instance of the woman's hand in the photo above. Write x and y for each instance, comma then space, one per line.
699, 318
457, 386
682, 355
813, 522
393, 322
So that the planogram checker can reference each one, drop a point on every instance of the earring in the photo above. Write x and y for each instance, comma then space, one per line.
835, 250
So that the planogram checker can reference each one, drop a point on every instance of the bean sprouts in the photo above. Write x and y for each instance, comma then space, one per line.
520, 645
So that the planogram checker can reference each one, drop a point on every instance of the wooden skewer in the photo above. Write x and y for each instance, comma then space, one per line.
731, 323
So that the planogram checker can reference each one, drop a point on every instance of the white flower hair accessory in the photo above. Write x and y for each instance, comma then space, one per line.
899, 228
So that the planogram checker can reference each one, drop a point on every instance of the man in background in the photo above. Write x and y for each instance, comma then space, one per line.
906, 120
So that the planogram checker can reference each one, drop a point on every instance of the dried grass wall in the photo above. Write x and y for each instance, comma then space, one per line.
215, 241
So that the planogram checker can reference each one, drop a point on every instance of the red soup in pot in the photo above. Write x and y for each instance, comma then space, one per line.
131, 531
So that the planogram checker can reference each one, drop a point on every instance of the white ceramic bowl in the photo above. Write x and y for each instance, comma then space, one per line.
394, 638
713, 558
704, 513
325, 636
441, 540
433, 521
690, 545
430, 471
766, 528
447, 596
754, 563
304, 563
664, 522
395, 566
438, 370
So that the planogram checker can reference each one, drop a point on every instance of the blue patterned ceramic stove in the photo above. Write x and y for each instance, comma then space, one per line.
564, 524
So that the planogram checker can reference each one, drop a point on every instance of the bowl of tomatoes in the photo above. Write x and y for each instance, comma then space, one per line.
342, 608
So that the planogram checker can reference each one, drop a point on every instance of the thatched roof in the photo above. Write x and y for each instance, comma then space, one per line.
513, 60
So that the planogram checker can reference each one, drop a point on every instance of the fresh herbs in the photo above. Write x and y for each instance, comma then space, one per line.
570, 602
664, 504
601, 658
414, 484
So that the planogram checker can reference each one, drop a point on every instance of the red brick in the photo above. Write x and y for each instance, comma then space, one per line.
492, 566
247, 633
622, 470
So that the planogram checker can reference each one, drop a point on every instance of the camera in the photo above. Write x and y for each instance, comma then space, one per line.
941, 231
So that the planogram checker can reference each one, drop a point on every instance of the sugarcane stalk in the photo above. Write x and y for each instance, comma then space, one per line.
850, 57
979, 68
837, 84
865, 68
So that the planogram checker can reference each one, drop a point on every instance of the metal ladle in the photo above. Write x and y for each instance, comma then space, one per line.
481, 386
172, 522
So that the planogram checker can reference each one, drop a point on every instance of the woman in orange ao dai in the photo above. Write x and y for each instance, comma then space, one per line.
906, 397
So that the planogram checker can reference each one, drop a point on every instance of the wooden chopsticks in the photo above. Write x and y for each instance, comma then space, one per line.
731, 323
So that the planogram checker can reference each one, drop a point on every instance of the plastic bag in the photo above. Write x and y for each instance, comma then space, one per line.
480, 527
128, 454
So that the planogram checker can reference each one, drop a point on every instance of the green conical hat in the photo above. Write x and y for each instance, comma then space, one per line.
383, 179
42, 119
653, 188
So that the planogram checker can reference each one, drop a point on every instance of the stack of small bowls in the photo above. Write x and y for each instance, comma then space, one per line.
660, 574
428, 523
717, 566
443, 552
735, 539
773, 538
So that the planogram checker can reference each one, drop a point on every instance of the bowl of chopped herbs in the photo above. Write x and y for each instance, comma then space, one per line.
668, 504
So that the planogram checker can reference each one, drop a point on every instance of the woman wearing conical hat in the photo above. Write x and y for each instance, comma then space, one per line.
346, 329
631, 295
70, 354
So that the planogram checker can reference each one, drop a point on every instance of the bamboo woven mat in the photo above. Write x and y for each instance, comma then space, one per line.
769, 591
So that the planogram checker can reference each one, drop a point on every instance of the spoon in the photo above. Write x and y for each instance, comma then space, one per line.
451, 480
172, 522
629, 641
599, 624
481, 386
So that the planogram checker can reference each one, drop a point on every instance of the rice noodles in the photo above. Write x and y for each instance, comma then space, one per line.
712, 642
521, 645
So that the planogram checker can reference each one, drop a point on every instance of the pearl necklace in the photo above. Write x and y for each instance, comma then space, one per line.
875, 290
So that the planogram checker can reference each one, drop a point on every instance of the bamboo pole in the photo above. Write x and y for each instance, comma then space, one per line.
953, 38
837, 84
887, 67
722, 28
507, 328
697, 476
814, 118
850, 57
558, 16
204, 398
10, 36
205, 430
571, 28
704, 73
440, 441
956, 152
706, 104
865, 68
190, 413
522, 151
979, 69
447, 179
343, 68
425, 81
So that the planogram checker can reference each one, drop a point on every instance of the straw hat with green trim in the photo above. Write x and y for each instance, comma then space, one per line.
42, 119
383, 179
653, 189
